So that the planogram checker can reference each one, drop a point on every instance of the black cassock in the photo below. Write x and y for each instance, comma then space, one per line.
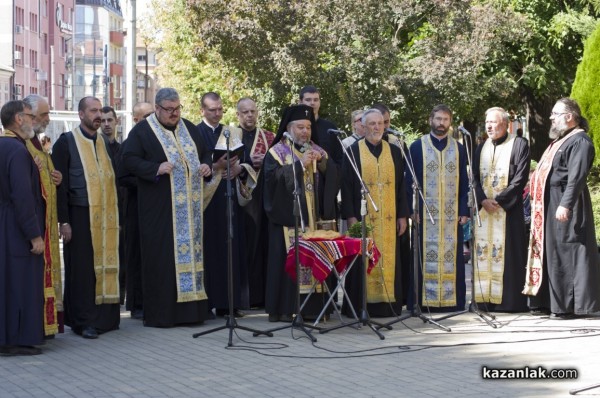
21, 272
570, 248
351, 198
80, 305
215, 240
278, 198
142, 156
516, 240
131, 233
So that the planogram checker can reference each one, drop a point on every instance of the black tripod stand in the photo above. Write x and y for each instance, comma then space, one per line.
230, 322
364, 318
417, 193
473, 307
298, 321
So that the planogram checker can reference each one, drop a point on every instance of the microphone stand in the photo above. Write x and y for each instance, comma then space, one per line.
230, 322
417, 193
473, 307
298, 321
364, 317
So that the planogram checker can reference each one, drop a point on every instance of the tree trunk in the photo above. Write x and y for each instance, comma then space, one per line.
538, 120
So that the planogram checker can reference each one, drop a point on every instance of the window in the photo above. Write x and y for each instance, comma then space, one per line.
19, 55
141, 57
33, 61
33, 90
45, 42
63, 46
61, 85
33, 22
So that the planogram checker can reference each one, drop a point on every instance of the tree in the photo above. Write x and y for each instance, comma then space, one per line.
410, 54
586, 89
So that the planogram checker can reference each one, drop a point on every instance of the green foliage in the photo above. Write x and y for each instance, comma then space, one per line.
409, 54
586, 89
355, 231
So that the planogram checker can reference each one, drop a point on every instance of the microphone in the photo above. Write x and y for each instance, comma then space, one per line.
336, 132
464, 130
394, 132
226, 133
288, 136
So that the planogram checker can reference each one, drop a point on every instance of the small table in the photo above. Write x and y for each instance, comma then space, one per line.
326, 256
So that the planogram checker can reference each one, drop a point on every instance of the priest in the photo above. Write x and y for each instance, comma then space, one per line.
563, 252
170, 159
315, 172
501, 171
382, 168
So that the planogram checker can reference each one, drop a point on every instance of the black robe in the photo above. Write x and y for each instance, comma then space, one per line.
511, 200
142, 157
570, 248
215, 240
278, 199
21, 272
351, 204
255, 230
80, 278
416, 154
131, 232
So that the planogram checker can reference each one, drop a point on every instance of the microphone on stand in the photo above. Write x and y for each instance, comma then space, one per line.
288, 136
394, 132
464, 131
336, 132
226, 133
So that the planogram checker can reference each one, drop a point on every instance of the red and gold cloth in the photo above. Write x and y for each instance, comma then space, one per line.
321, 255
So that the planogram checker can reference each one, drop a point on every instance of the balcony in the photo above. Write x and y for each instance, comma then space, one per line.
117, 38
116, 69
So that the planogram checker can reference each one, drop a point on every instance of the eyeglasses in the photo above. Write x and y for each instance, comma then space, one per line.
558, 113
171, 111
31, 115
358, 120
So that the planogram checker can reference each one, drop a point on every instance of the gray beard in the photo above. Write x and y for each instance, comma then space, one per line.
556, 133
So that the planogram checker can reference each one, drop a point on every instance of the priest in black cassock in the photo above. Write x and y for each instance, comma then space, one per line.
170, 160
21, 243
256, 142
440, 164
563, 270
310, 95
501, 171
89, 224
382, 168
215, 222
310, 160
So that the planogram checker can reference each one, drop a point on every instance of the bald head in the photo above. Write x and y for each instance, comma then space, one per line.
141, 110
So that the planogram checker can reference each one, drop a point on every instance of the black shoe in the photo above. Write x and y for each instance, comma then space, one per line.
539, 311
273, 318
89, 332
562, 316
286, 318
19, 350
137, 314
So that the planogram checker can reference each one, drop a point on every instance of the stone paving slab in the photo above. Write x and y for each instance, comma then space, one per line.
414, 360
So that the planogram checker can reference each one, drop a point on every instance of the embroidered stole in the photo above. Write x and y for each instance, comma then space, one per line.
186, 208
262, 142
378, 175
284, 156
535, 258
440, 188
491, 236
104, 215
52, 269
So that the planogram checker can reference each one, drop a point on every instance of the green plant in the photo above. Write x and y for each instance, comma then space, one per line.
355, 231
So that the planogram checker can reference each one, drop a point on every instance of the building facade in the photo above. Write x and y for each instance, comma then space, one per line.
98, 54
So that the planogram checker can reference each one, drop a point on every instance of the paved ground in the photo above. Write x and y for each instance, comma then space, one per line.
414, 360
